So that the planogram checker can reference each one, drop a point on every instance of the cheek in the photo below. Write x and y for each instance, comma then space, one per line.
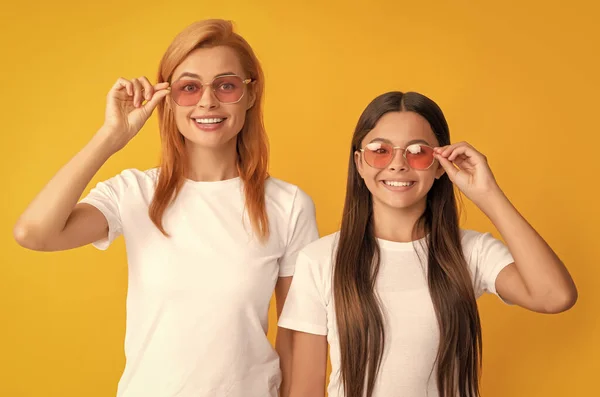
370, 178
181, 117
237, 115
427, 179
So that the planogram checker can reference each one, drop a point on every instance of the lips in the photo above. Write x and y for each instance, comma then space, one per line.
209, 123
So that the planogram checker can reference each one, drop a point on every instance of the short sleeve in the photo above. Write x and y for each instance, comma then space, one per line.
305, 308
302, 230
106, 196
488, 257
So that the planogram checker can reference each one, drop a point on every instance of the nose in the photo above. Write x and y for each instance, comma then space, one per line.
398, 162
208, 100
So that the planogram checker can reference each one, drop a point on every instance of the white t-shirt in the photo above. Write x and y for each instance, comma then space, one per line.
197, 302
411, 328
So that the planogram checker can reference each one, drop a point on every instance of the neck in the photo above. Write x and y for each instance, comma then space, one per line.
398, 224
212, 164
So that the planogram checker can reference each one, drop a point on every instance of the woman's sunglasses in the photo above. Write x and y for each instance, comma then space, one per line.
227, 89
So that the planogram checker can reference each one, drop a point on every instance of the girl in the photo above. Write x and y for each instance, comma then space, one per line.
209, 234
393, 292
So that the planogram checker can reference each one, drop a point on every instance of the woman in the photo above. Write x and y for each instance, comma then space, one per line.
209, 234
394, 291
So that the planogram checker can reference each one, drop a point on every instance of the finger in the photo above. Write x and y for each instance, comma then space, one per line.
458, 151
448, 166
161, 86
467, 151
138, 92
148, 89
450, 148
123, 84
447, 150
155, 100
460, 161
439, 149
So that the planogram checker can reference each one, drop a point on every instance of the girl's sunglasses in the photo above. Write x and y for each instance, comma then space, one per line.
380, 154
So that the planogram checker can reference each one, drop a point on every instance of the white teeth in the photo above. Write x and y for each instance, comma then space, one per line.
209, 121
395, 183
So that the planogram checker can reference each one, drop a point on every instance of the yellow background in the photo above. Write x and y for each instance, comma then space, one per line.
517, 79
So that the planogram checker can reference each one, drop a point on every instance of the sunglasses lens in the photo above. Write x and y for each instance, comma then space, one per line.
228, 89
419, 157
186, 92
378, 154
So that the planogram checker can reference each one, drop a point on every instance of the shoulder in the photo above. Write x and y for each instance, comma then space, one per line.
322, 250
128, 184
142, 177
478, 247
316, 259
469, 238
280, 191
471, 242
472, 239
134, 177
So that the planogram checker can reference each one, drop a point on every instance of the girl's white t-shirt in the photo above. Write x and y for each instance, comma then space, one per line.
198, 301
411, 328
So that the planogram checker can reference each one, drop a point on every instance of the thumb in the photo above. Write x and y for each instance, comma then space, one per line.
448, 166
155, 100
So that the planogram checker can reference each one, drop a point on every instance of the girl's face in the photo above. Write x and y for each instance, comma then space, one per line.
398, 185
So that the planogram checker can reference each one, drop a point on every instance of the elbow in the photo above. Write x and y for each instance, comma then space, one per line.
25, 236
561, 301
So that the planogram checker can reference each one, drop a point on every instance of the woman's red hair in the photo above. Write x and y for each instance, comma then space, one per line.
252, 143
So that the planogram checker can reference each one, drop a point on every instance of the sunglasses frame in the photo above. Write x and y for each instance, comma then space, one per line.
394, 149
244, 81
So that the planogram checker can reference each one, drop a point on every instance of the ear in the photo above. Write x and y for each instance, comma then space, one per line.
358, 163
251, 100
439, 171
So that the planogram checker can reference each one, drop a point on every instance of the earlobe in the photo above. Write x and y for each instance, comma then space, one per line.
358, 163
440, 171
251, 101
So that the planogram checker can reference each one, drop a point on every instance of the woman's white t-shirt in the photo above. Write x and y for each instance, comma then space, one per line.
411, 328
197, 302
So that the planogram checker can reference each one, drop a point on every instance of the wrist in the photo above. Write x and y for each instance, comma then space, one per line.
493, 201
104, 142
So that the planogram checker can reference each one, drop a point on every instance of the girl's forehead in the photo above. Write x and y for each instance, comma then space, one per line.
402, 128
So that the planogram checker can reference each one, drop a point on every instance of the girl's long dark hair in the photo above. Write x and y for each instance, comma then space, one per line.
357, 259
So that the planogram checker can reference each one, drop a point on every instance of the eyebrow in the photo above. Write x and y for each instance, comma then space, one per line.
407, 143
195, 76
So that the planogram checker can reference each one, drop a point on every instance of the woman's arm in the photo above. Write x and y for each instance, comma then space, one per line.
53, 220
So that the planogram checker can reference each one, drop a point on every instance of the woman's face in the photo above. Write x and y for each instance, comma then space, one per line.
210, 123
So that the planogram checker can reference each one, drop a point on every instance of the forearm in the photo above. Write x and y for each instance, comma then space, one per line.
283, 345
541, 270
49, 211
